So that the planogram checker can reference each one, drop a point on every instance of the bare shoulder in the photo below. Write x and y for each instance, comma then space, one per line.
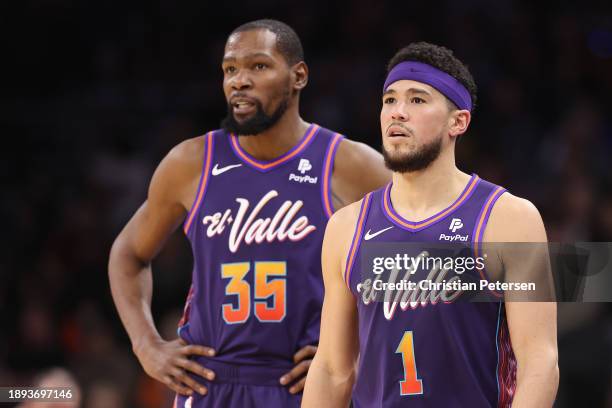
515, 219
358, 169
359, 157
178, 173
343, 221
351, 149
510, 208
188, 153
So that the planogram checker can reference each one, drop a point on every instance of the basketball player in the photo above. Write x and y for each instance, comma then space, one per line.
431, 354
255, 197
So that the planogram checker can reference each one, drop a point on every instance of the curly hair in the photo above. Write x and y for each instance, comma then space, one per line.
441, 58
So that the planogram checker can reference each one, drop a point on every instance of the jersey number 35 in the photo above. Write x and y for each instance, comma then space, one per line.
265, 289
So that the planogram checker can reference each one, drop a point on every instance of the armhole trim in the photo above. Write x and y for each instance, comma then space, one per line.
357, 236
328, 167
208, 151
481, 225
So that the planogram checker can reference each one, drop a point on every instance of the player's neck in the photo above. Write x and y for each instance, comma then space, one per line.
278, 140
421, 194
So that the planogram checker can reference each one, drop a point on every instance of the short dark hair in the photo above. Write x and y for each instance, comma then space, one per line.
438, 57
287, 41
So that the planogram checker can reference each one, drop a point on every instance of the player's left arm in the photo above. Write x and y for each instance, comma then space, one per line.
532, 325
358, 169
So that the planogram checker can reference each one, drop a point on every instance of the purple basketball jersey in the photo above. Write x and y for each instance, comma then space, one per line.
429, 354
256, 230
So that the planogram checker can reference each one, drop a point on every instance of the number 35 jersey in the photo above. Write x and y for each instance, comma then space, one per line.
256, 230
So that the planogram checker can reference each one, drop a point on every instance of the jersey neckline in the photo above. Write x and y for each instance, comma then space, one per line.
413, 226
265, 166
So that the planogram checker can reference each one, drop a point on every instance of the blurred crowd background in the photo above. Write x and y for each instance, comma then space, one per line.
96, 93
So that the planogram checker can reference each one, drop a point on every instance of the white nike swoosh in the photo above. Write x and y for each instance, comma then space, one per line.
368, 235
216, 170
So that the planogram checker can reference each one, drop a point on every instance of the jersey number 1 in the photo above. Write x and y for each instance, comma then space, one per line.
410, 385
264, 290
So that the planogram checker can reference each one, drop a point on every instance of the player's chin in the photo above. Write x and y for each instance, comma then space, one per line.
398, 142
398, 148
242, 118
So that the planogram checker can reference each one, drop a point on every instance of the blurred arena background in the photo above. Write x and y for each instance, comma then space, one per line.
96, 93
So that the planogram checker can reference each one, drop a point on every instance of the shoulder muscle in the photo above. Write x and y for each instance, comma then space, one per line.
176, 178
515, 219
358, 169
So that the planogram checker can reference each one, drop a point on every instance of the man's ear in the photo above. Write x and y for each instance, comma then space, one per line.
459, 121
299, 72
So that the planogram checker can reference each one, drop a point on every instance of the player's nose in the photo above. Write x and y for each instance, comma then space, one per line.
241, 81
399, 113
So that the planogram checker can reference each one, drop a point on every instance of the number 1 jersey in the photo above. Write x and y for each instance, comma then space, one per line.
427, 352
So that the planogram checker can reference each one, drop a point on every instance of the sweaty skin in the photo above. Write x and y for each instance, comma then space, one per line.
252, 66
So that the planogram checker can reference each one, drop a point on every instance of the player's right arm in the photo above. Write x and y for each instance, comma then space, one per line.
171, 192
332, 373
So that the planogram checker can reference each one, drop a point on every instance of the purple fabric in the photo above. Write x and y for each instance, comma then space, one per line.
455, 345
253, 217
443, 82
221, 395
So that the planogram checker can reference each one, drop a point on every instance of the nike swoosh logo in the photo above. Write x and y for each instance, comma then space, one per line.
368, 235
219, 170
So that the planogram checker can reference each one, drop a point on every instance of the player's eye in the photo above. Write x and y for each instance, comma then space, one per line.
388, 100
260, 66
417, 100
230, 69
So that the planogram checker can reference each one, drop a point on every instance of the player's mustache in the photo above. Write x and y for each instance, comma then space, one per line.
239, 95
401, 125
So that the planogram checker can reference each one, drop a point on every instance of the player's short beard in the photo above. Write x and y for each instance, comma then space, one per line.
414, 161
259, 122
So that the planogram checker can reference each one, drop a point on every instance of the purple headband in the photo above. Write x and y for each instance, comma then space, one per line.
443, 82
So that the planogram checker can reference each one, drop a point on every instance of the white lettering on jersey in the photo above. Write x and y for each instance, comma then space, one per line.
249, 228
412, 298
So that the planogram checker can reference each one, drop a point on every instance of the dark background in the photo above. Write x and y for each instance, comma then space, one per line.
95, 93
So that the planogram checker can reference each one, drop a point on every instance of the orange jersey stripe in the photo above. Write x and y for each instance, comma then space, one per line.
484, 212
498, 191
327, 169
206, 171
283, 159
356, 239
441, 215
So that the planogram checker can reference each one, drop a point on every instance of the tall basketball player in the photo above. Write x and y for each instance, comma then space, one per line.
430, 354
255, 197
